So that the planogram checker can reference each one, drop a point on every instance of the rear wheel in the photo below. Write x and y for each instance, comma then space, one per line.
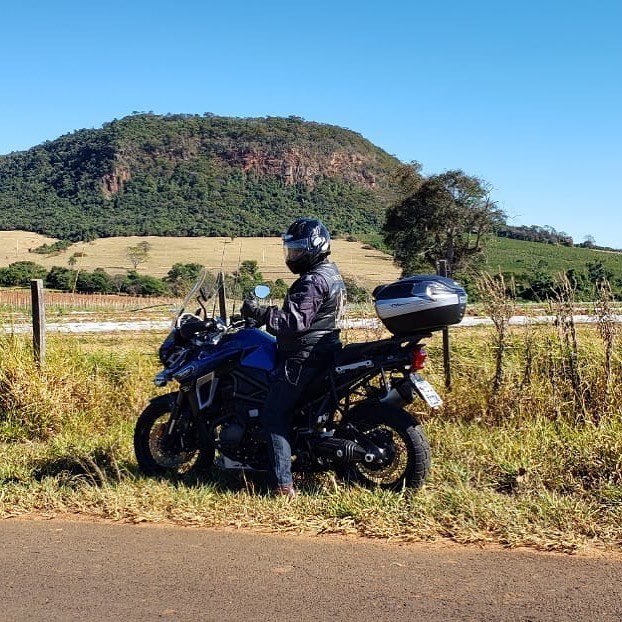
406, 449
159, 453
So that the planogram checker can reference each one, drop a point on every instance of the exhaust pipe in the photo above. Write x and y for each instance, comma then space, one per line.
342, 450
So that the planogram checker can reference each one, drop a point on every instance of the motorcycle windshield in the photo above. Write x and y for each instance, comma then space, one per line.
195, 298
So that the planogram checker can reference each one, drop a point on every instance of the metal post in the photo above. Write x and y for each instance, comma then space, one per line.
222, 297
38, 321
443, 270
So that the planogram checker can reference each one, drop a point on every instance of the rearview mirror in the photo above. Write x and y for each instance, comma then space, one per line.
262, 291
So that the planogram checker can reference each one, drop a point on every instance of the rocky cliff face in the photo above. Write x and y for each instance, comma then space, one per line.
302, 153
114, 181
298, 167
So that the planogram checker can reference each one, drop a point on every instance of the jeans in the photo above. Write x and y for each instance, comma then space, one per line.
292, 378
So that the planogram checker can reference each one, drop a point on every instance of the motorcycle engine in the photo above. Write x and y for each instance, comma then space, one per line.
232, 432
237, 433
240, 440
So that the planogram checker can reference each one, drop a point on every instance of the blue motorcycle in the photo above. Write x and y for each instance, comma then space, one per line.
351, 420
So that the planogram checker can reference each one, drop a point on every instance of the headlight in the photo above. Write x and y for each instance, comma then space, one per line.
167, 347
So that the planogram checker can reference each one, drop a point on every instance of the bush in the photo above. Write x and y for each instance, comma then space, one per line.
356, 292
183, 275
20, 273
49, 249
142, 285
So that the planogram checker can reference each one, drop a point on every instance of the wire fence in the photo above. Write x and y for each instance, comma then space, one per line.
20, 300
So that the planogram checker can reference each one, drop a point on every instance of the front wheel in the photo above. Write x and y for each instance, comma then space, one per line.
159, 453
404, 444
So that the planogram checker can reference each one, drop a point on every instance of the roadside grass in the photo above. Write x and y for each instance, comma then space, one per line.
536, 463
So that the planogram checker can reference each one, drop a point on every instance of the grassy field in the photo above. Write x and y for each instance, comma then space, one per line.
370, 266
536, 460
516, 256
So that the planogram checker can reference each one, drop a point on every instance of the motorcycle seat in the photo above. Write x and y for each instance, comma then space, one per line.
354, 352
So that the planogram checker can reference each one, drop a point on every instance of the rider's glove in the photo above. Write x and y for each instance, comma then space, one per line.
253, 310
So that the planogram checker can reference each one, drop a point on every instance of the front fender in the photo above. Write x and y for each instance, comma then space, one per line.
166, 399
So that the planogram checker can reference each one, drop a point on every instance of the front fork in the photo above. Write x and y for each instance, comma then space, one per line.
180, 423
188, 426
176, 411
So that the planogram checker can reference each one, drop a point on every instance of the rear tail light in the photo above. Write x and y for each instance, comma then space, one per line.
419, 358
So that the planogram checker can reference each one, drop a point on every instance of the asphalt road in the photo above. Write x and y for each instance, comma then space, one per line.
54, 570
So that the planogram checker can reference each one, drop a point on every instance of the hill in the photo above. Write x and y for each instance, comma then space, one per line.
518, 257
190, 175
534, 266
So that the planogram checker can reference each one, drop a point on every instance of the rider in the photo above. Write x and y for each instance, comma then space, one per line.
306, 333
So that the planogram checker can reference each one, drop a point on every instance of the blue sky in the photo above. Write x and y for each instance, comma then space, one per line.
527, 95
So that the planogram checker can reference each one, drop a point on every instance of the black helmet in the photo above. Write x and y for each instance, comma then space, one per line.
305, 243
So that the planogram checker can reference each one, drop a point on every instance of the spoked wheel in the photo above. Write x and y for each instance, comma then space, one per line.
159, 453
405, 448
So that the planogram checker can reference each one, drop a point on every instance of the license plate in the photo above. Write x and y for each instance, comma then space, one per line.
426, 391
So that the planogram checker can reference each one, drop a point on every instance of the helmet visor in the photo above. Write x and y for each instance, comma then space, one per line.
293, 250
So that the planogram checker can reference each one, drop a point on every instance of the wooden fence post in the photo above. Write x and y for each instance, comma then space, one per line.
222, 296
38, 321
443, 270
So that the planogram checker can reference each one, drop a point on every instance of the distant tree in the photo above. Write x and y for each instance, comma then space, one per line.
183, 275
243, 280
98, 281
589, 241
138, 254
355, 291
447, 217
597, 273
540, 284
279, 289
118, 280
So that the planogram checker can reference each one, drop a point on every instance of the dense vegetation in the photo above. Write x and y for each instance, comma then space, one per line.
196, 175
534, 266
535, 233
177, 282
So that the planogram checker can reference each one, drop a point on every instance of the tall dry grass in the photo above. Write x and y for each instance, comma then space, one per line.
561, 372
80, 390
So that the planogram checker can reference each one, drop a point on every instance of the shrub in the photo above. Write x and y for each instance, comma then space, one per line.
21, 273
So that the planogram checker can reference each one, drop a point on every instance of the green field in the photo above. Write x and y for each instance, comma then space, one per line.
517, 257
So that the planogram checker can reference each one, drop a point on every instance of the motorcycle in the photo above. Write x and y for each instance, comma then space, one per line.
351, 420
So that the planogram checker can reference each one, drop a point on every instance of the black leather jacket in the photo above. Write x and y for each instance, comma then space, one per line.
307, 322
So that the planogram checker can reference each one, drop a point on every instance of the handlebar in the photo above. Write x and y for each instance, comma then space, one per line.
213, 329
